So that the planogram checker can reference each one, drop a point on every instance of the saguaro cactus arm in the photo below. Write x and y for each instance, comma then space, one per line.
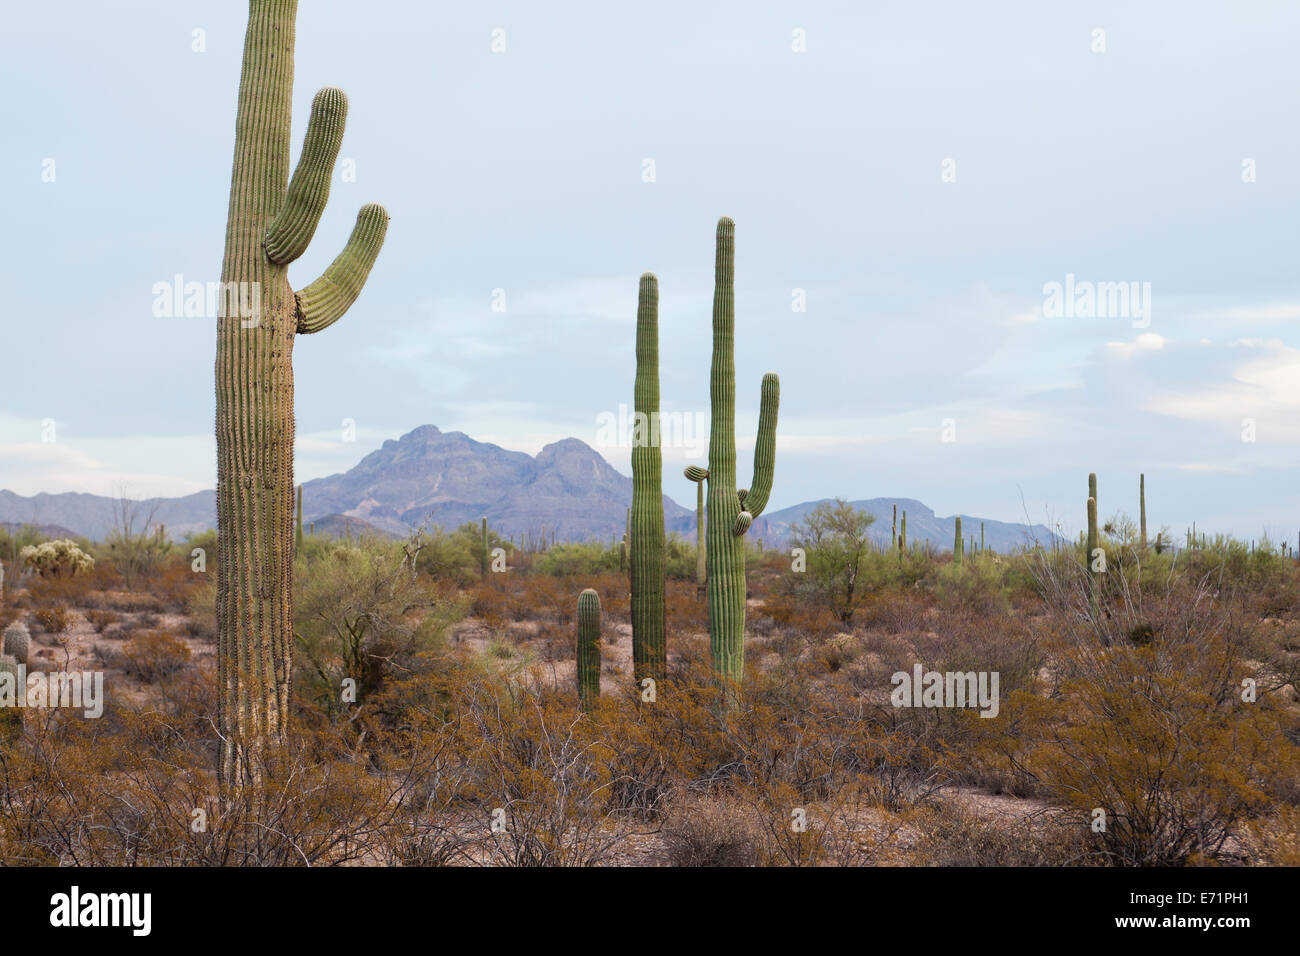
323, 302
304, 202
754, 499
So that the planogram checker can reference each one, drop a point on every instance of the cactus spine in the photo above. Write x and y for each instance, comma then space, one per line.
957, 543
731, 510
1142, 507
649, 647
271, 220
297, 530
588, 655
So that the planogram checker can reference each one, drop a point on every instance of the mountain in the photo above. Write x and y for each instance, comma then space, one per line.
433, 477
94, 516
922, 525
448, 478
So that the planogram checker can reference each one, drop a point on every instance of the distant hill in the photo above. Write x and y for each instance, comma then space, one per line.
433, 477
448, 478
922, 525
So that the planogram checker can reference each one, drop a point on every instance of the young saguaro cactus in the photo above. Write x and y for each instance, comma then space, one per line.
731, 510
649, 646
270, 222
588, 655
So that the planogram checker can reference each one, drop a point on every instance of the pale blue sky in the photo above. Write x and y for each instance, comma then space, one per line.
522, 171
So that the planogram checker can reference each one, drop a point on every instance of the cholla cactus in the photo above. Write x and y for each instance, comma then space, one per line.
17, 641
56, 559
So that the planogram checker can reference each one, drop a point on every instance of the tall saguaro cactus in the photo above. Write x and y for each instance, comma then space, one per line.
1142, 507
957, 543
588, 653
270, 222
649, 646
731, 510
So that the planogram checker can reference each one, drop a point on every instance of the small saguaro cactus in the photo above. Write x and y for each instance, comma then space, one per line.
1092, 487
588, 655
1142, 507
893, 529
902, 537
11, 717
731, 510
17, 642
483, 551
1091, 547
649, 646
271, 220
957, 543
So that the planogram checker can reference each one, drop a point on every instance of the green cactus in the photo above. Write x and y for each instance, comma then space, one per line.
701, 545
271, 221
731, 510
17, 642
1142, 507
649, 647
1091, 545
11, 717
957, 543
297, 531
588, 655
981, 537
483, 551
1092, 487
902, 537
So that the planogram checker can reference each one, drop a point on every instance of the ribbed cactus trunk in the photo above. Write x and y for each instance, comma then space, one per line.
1142, 507
701, 545
649, 647
957, 543
1091, 545
271, 220
731, 510
588, 652
902, 536
1092, 487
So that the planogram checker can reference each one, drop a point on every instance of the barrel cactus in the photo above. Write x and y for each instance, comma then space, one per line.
271, 220
588, 655
649, 647
731, 510
17, 642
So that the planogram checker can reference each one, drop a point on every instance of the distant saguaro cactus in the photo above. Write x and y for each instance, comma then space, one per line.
731, 510
271, 220
483, 551
649, 646
1142, 507
957, 543
588, 655
1091, 547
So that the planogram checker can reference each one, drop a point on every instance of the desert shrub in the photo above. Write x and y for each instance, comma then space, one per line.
152, 656
837, 547
715, 831
136, 554
101, 619
361, 612
572, 558
976, 584
53, 618
954, 835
